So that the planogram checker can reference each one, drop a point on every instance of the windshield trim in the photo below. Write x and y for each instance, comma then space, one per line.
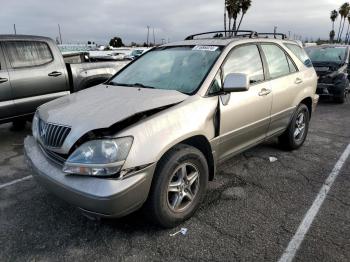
160, 48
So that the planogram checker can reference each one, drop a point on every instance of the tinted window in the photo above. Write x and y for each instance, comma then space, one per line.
246, 60
300, 53
276, 60
27, 53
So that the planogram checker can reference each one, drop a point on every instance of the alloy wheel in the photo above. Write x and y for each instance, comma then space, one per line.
183, 187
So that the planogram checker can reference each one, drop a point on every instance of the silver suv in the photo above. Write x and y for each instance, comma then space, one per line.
153, 135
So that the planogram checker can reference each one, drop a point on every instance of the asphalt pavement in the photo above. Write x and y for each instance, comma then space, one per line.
251, 212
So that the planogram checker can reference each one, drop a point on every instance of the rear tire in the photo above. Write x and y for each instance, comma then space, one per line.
295, 135
179, 185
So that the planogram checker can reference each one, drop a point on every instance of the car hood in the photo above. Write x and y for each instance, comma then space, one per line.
103, 106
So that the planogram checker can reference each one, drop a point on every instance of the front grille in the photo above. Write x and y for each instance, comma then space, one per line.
52, 135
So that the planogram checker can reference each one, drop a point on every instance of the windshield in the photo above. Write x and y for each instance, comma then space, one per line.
327, 54
172, 68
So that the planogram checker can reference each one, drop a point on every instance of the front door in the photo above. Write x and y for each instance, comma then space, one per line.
245, 116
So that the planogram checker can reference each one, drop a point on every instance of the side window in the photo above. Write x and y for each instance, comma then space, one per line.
300, 53
216, 85
292, 68
27, 53
245, 59
276, 60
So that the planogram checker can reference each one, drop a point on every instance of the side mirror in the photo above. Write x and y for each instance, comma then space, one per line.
236, 82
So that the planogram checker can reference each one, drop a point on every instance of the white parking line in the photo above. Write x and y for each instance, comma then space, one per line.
15, 182
304, 227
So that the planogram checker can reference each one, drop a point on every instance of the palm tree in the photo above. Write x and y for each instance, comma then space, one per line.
331, 36
347, 31
233, 9
344, 12
245, 5
334, 16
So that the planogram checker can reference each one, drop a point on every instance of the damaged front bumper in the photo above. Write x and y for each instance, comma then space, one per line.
95, 196
325, 89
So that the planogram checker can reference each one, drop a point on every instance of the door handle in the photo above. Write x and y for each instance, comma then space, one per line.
3, 80
264, 92
55, 74
298, 81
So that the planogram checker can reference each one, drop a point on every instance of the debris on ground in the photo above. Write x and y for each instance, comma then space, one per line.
182, 231
273, 159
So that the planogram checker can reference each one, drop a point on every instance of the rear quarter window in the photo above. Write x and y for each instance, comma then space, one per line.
28, 53
300, 53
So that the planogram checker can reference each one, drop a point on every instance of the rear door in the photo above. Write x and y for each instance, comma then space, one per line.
36, 75
6, 101
245, 116
286, 83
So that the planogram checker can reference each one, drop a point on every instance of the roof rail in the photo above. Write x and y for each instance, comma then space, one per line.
283, 36
226, 34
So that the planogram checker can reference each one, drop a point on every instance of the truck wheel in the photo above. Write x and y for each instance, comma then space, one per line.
18, 125
178, 187
295, 135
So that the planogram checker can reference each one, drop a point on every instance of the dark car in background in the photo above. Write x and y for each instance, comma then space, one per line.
331, 63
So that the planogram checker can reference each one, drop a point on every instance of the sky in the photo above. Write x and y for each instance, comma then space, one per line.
100, 20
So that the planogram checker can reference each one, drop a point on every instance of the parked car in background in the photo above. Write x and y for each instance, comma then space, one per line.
331, 63
108, 56
155, 132
33, 72
136, 53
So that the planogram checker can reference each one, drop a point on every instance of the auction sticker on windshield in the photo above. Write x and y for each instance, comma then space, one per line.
205, 48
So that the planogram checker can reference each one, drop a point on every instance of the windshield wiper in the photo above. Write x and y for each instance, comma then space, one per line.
131, 85
142, 85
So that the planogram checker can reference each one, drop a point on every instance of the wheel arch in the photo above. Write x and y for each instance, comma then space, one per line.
308, 102
201, 143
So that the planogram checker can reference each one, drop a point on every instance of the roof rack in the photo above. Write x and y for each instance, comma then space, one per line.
283, 36
222, 34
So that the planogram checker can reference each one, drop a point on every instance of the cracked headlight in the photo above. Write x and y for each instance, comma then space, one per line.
103, 157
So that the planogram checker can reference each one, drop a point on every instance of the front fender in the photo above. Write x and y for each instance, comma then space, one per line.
154, 136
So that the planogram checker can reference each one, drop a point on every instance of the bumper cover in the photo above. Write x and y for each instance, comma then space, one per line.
97, 196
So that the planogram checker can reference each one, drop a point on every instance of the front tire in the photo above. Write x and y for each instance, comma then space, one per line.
178, 186
295, 135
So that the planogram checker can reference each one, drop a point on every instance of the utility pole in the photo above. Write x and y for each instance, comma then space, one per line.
59, 32
274, 31
14, 29
154, 38
148, 36
225, 19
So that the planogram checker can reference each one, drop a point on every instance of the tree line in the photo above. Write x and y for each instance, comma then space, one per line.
344, 13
